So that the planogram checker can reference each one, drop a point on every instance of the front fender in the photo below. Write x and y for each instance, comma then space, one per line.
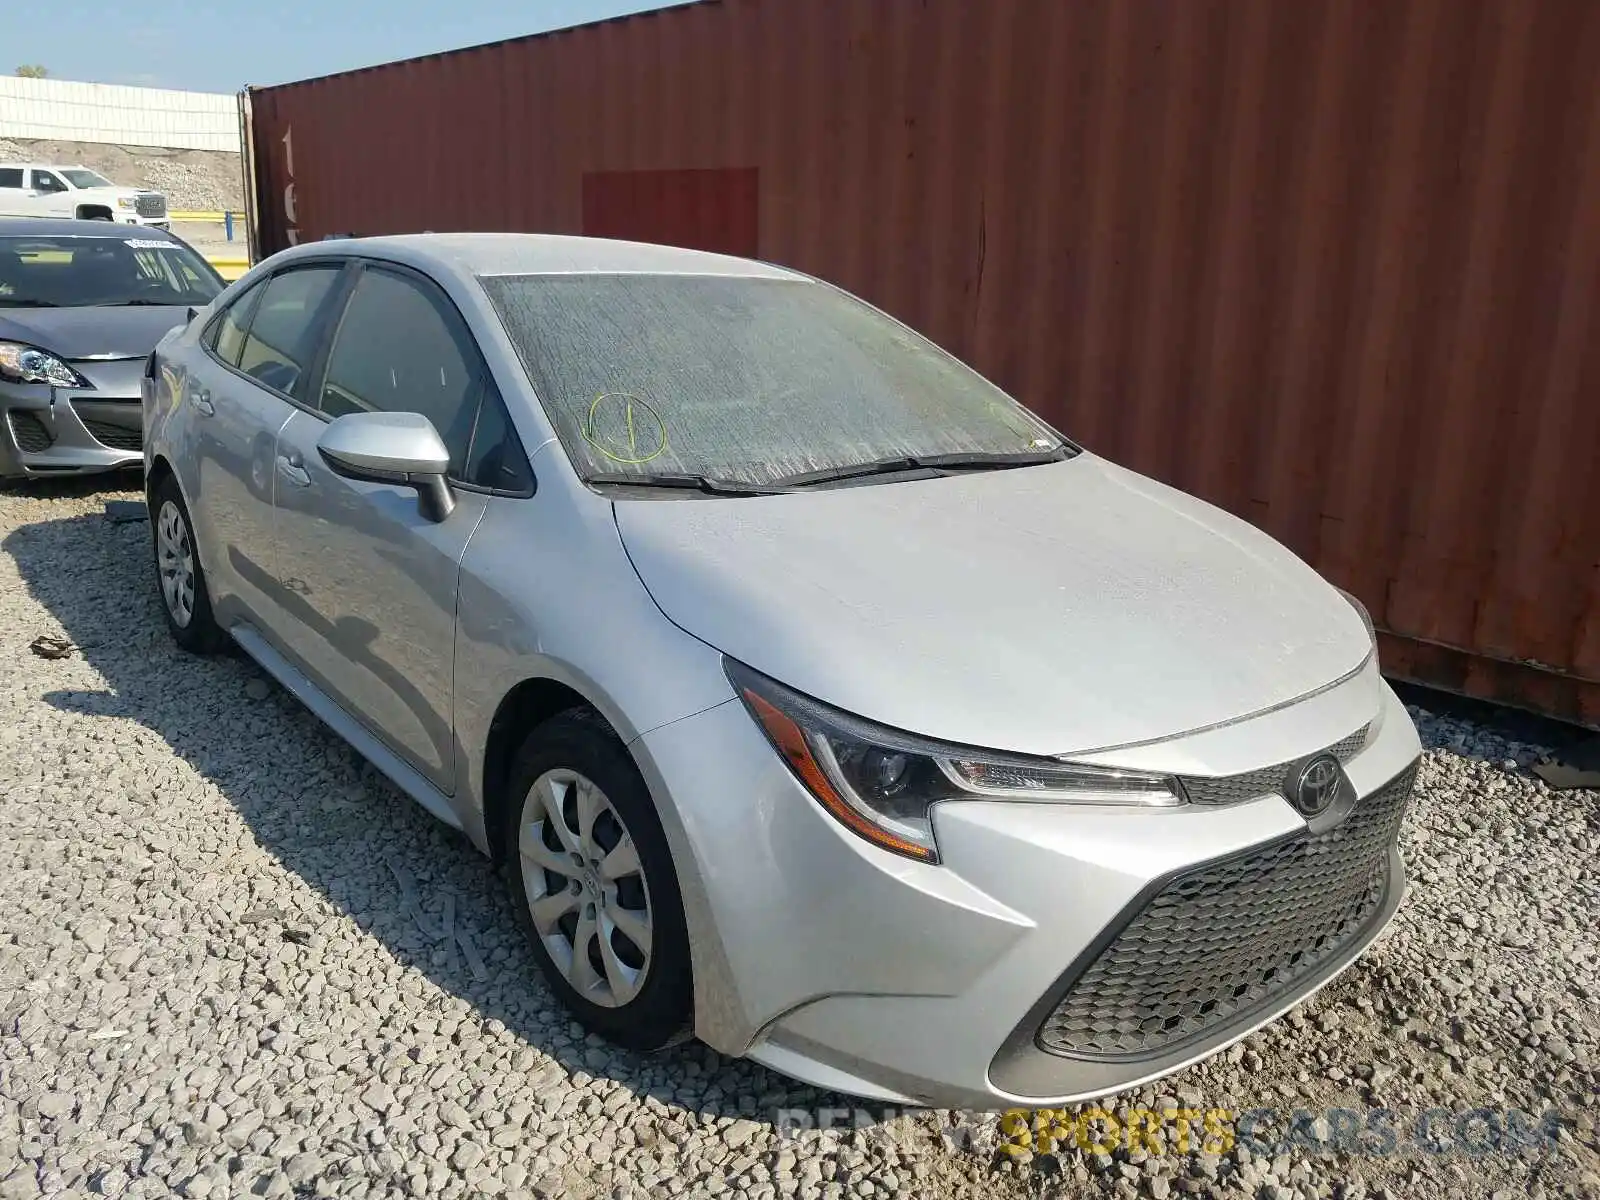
547, 592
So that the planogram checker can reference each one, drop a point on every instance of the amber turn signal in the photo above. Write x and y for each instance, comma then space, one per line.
790, 742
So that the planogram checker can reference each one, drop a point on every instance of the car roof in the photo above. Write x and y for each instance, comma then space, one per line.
67, 227
488, 254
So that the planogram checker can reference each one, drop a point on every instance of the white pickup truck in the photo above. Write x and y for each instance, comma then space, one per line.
38, 190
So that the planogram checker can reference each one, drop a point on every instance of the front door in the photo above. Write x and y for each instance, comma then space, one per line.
51, 196
370, 583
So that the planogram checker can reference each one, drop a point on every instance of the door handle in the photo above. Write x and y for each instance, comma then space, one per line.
292, 468
201, 399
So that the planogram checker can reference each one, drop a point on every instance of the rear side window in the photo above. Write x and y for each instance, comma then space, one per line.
225, 337
10, 177
397, 351
282, 334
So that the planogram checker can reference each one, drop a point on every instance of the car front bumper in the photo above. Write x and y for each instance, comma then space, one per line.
72, 432
963, 984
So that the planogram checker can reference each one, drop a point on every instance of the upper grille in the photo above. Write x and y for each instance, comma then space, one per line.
30, 432
118, 437
1265, 781
150, 205
1218, 942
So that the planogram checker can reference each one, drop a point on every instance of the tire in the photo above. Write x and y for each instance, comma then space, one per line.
191, 623
570, 757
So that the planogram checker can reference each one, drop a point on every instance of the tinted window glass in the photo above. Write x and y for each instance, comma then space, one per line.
496, 459
226, 335
396, 352
159, 271
43, 181
10, 177
282, 334
78, 272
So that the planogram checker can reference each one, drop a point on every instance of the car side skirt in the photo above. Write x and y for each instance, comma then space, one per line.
395, 768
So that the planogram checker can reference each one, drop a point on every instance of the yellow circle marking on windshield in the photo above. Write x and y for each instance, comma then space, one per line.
628, 430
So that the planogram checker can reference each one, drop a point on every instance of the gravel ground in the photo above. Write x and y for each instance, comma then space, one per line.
234, 961
203, 180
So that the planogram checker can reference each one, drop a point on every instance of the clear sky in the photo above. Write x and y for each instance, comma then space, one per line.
221, 45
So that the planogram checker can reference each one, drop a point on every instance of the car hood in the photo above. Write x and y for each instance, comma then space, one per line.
77, 333
1055, 609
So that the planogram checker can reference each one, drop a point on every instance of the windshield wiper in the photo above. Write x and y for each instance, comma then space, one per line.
140, 301
24, 302
960, 461
694, 483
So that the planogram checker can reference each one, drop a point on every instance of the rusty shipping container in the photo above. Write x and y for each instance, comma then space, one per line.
1331, 264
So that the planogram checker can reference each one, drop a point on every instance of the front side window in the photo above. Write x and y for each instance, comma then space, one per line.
43, 181
81, 272
750, 380
82, 177
396, 352
282, 336
495, 459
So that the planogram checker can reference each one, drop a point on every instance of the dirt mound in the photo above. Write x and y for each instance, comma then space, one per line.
204, 180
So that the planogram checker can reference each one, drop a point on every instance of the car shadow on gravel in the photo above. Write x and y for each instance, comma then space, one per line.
429, 899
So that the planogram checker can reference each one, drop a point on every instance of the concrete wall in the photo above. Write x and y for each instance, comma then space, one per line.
130, 116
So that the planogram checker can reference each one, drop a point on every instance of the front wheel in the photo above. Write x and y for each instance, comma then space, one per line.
594, 885
185, 599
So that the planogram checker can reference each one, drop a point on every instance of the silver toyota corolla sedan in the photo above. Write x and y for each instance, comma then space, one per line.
815, 697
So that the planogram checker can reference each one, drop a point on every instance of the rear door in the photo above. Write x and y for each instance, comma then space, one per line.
371, 580
239, 393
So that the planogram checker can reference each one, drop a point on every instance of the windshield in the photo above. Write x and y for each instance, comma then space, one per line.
82, 177
743, 379
79, 272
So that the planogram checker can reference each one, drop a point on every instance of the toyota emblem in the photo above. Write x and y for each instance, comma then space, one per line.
1318, 785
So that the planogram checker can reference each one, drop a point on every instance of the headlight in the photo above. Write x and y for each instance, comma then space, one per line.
126, 202
882, 784
26, 364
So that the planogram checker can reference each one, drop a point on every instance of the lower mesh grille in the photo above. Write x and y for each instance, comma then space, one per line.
1218, 942
30, 432
117, 437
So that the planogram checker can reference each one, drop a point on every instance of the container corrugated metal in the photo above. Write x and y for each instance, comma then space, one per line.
1330, 264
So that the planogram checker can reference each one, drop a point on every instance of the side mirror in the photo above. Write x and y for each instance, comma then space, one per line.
402, 448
